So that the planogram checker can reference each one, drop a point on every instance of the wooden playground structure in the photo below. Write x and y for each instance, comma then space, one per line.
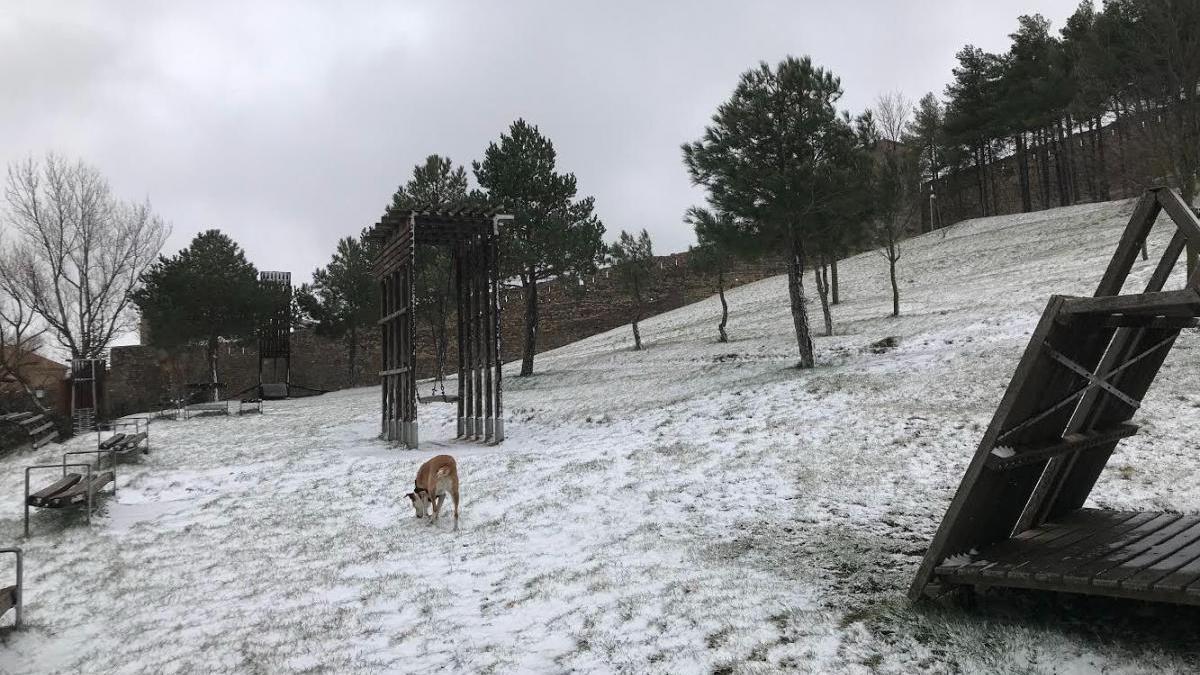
1017, 519
473, 239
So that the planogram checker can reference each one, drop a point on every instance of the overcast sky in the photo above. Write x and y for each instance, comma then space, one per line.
289, 125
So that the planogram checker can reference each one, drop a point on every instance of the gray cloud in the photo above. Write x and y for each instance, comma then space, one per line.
289, 126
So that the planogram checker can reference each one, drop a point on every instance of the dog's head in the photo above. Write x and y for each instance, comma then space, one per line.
420, 501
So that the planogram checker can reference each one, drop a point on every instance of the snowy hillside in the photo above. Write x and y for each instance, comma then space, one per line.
696, 507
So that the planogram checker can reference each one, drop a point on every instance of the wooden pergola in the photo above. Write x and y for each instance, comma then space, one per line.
1017, 519
473, 239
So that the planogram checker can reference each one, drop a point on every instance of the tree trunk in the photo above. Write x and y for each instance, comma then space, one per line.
353, 354
991, 163
1061, 164
1072, 170
212, 367
980, 181
833, 278
1122, 142
799, 311
722, 336
531, 324
1044, 169
1023, 173
823, 294
1102, 162
637, 314
893, 256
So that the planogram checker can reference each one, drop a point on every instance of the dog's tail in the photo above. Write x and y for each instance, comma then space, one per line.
444, 471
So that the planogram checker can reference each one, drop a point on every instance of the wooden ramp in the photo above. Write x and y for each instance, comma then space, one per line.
1017, 518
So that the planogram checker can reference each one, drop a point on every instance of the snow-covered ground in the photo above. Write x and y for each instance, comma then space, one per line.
695, 507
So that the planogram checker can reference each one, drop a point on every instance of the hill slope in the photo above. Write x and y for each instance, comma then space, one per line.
696, 506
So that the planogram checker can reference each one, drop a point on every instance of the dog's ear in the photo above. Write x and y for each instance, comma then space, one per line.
411, 496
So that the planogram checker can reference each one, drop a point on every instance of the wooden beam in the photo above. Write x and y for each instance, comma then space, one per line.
1184, 302
1070, 443
394, 315
1185, 219
1144, 215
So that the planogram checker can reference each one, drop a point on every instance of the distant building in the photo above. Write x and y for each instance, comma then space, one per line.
45, 377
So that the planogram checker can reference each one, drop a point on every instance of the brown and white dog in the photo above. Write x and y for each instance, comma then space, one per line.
435, 479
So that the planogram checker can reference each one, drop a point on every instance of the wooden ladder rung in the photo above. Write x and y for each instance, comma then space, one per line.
1023, 456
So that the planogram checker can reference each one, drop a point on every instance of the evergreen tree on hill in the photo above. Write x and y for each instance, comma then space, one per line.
632, 258
767, 159
206, 293
343, 299
554, 233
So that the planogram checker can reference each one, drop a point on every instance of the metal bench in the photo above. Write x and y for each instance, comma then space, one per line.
214, 408
250, 405
10, 596
125, 444
73, 489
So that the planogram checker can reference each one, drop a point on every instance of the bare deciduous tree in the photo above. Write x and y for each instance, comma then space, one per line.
76, 252
20, 337
898, 182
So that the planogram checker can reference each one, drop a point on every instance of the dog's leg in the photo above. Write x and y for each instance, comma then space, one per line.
437, 507
454, 495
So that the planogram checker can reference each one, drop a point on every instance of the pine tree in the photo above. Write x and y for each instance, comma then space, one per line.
763, 159
927, 133
435, 185
971, 114
553, 232
343, 299
206, 293
718, 245
631, 258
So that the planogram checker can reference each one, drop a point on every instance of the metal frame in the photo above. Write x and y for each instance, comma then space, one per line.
20, 604
473, 238
64, 467
135, 422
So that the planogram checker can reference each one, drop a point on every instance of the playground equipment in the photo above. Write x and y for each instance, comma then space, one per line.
1017, 518
73, 489
87, 393
472, 237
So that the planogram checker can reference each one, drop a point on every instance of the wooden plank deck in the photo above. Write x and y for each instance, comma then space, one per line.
1145, 556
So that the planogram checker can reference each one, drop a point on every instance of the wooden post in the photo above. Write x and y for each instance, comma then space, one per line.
467, 342
477, 317
494, 255
460, 310
410, 316
489, 428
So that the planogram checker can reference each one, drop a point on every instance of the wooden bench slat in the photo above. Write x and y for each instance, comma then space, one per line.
77, 494
8, 598
64, 483
111, 441
130, 443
